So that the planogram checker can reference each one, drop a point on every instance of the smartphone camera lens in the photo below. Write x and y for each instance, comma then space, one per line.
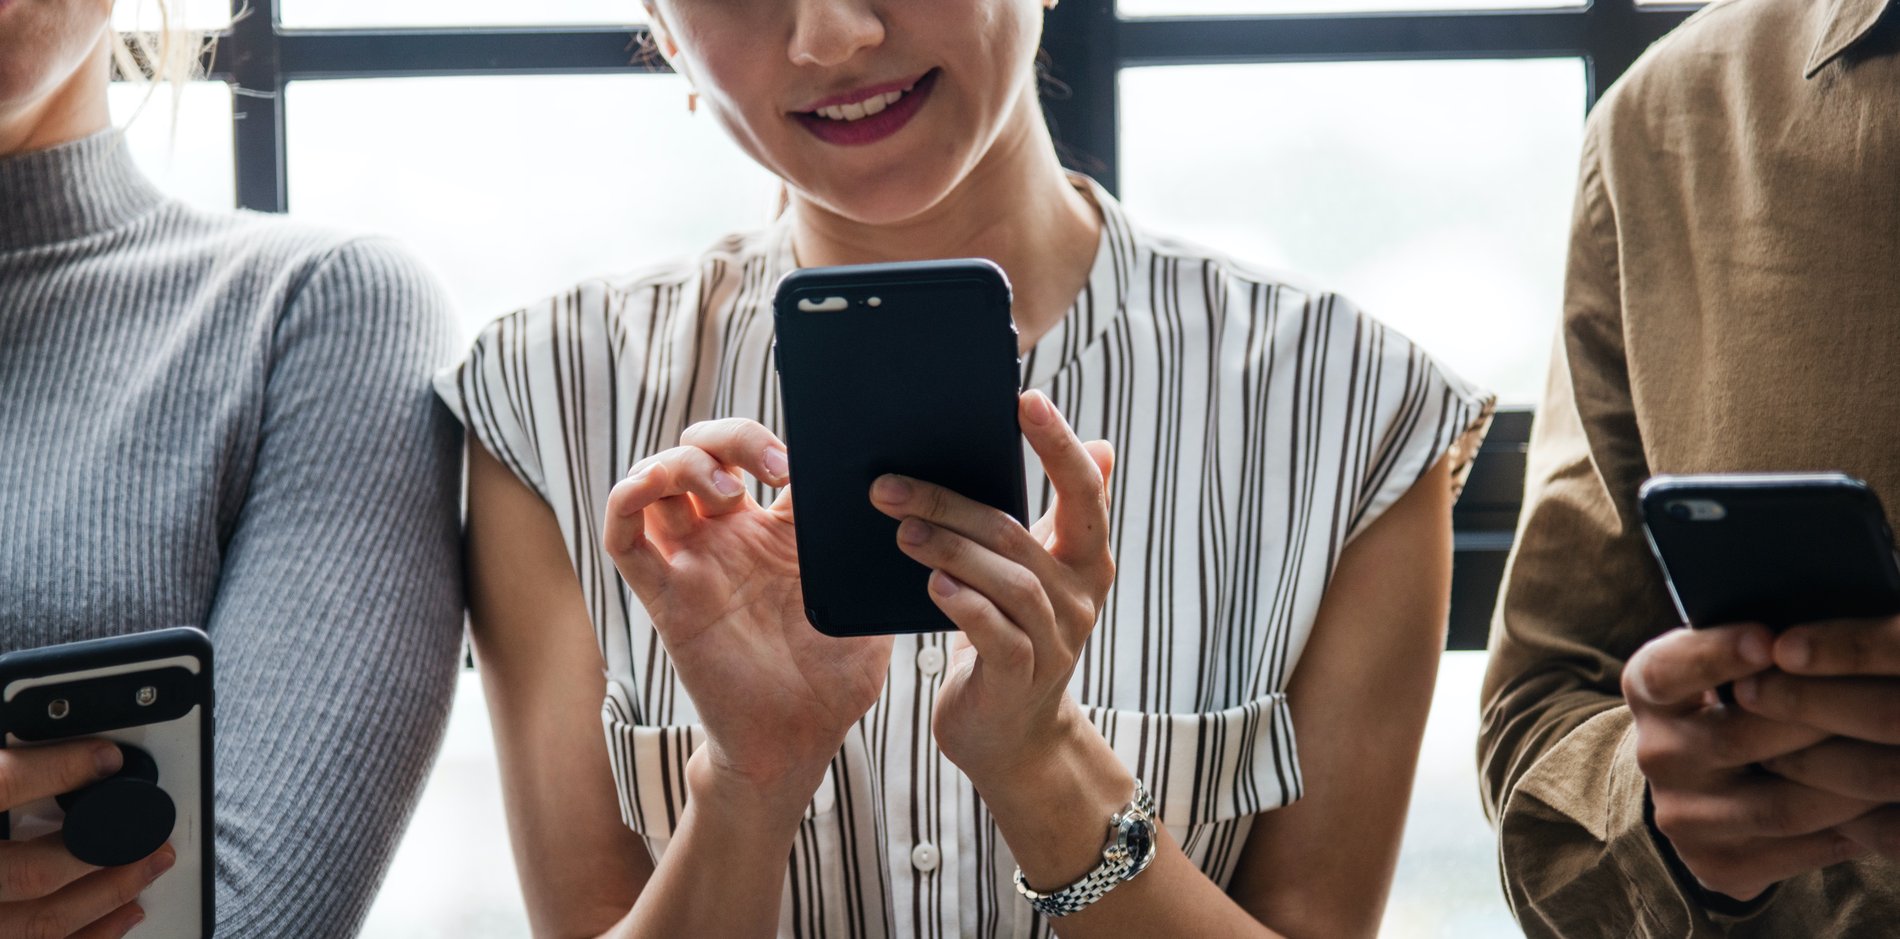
58, 708
1680, 511
146, 696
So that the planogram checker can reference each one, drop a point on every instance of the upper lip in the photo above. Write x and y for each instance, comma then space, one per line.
865, 93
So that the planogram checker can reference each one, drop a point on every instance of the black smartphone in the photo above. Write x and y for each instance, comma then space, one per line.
1775, 549
892, 368
151, 694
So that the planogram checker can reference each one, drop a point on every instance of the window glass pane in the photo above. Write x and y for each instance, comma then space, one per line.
185, 150
335, 14
1326, 7
149, 15
1447, 882
1436, 195
453, 876
518, 188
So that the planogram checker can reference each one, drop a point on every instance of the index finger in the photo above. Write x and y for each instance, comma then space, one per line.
1080, 482
1675, 670
1841, 647
28, 774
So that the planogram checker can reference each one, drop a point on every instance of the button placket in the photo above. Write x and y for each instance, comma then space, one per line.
930, 660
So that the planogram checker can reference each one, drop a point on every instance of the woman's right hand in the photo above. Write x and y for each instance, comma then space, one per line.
44, 890
718, 574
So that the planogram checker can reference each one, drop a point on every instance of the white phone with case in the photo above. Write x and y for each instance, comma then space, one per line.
151, 694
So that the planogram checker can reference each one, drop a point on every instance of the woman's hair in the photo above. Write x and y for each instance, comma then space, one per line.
169, 55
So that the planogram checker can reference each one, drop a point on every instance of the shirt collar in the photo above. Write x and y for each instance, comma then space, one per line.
1839, 25
71, 191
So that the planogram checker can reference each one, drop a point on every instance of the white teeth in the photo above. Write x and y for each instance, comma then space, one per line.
861, 109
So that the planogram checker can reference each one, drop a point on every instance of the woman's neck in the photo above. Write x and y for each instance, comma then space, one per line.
1016, 207
74, 110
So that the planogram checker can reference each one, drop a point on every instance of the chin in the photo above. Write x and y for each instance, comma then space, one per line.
890, 197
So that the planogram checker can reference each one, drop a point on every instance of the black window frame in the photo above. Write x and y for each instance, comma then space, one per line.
1088, 44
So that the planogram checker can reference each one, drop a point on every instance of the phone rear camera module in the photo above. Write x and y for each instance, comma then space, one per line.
146, 696
58, 708
1696, 510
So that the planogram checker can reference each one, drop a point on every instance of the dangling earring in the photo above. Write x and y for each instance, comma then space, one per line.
692, 102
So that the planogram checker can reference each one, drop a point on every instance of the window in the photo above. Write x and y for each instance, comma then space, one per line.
1418, 155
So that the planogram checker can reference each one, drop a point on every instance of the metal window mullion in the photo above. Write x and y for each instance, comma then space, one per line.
257, 105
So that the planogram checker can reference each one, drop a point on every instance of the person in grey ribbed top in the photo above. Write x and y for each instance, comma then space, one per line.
225, 420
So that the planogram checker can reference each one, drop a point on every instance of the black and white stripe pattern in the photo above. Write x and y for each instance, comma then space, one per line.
1258, 426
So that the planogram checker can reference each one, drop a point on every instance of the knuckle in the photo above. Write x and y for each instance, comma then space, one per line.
43, 922
934, 501
1023, 586
23, 881
1654, 756
1670, 820
1771, 816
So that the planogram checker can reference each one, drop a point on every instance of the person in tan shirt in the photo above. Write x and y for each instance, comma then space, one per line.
1733, 304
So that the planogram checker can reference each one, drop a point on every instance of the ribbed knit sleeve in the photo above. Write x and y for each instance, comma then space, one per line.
338, 613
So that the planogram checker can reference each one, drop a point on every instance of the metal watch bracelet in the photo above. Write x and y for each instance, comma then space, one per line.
1131, 846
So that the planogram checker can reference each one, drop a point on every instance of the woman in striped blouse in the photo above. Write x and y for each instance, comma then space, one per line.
1244, 614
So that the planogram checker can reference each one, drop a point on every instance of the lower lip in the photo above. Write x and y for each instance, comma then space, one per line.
871, 129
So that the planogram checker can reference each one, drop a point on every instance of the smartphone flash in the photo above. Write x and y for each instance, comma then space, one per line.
146, 696
875, 302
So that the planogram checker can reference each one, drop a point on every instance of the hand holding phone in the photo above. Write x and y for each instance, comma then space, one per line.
40, 880
105, 784
1746, 556
1025, 600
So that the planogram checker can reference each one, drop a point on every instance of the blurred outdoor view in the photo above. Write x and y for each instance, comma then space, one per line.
1435, 194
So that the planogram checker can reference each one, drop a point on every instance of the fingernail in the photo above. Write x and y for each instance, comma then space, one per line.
775, 463
943, 584
1756, 650
1040, 410
1747, 690
1795, 649
913, 532
161, 862
138, 916
890, 489
726, 484
108, 759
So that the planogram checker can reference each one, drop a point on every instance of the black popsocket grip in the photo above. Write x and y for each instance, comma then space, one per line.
121, 819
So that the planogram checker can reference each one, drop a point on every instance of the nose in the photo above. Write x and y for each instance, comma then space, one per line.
830, 32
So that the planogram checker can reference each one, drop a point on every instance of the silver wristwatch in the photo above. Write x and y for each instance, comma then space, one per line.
1131, 846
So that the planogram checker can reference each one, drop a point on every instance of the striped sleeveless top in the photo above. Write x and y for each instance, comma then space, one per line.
1258, 426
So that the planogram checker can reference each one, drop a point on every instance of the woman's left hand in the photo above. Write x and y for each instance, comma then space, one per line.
1026, 599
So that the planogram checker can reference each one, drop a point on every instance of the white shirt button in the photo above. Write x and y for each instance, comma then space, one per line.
924, 857
930, 660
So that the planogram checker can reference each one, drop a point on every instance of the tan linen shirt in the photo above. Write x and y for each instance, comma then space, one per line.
1733, 304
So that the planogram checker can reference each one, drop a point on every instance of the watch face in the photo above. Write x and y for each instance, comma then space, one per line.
1137, 839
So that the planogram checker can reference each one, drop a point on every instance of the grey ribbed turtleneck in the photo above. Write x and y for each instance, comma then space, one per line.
225, 420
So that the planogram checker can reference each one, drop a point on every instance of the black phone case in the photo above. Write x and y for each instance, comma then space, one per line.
153, 646
917, 374
1790, 548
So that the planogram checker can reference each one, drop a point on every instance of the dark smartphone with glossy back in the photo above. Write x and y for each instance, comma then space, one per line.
892, 368
1776, 549
151, 694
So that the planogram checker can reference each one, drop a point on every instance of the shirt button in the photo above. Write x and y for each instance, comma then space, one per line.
924, 857
930, 660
